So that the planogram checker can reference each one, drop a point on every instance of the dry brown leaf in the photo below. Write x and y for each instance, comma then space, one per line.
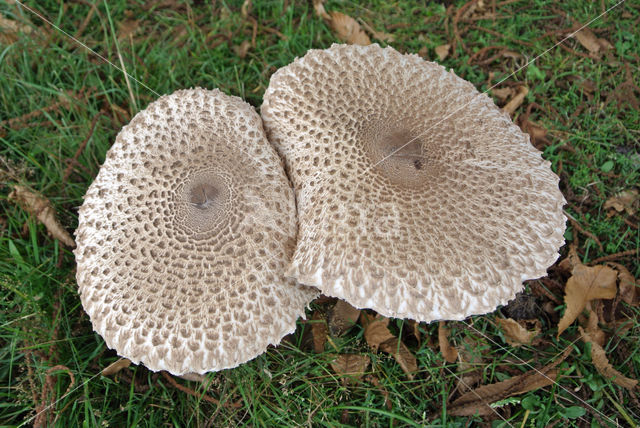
626, 200
626, 284
245, 10
586, 284
601, 362
10, 30
116, 366
128, 28
516, 101
318, 6
414, 330
443, 51
594, 329
477, 401
319, 332
351, 365
379, 35
449, 353
243, 49
515, 334
402, 355
375, 330
37, 205
347, 29
502, 94
378, 336
342, 317
591, 42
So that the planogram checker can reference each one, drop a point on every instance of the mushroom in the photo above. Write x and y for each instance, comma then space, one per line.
416, 195
184, 237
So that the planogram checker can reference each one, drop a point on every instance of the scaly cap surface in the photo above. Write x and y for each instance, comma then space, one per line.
184, 237
416, 195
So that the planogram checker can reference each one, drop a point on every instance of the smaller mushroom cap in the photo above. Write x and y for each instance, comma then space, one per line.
184, 237
416, 195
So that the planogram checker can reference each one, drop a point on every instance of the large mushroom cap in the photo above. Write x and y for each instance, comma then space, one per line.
185, 235
416, 195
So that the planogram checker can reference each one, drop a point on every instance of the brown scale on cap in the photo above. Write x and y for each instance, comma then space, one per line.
416, 195
185, 235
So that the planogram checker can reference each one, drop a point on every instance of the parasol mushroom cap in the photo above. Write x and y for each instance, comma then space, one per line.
416, 195
185, 235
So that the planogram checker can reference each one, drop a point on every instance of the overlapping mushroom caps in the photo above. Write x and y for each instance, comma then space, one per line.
416, 195
185, 235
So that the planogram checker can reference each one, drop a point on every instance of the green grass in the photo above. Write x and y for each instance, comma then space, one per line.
42, 324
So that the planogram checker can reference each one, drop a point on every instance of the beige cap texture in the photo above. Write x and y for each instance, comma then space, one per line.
184, 237
416, 195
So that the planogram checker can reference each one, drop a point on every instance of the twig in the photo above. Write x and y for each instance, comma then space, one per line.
575, 224
202, 396
457, 36
615, 256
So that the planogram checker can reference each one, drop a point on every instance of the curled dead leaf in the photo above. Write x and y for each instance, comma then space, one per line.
602, 364
353, 366
243, 49
319, 332
515, 334
591, 42
516, 101
378, 336
449, 353
342, 317
626, 200
586, 284
477, 401
502, 94
39, 206
347, 29
626, 284
115, 367
443, 51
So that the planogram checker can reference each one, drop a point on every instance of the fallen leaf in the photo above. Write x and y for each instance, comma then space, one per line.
516, 101
449, 353
515, 334
626, 200
601, 362
502, 94
375, 330
347, 29
477, 401
319, 332
342, 317
194, 377
591, 42
378, 336
443, 51
414, 330
402, 355
116, 366
243, 49
37, 205
245, 10
10, 30
586, 284
626, 284
379, 35
352, 365
594, 329
128, 28
318, 6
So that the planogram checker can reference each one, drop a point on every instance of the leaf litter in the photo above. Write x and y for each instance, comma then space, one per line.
378, 336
